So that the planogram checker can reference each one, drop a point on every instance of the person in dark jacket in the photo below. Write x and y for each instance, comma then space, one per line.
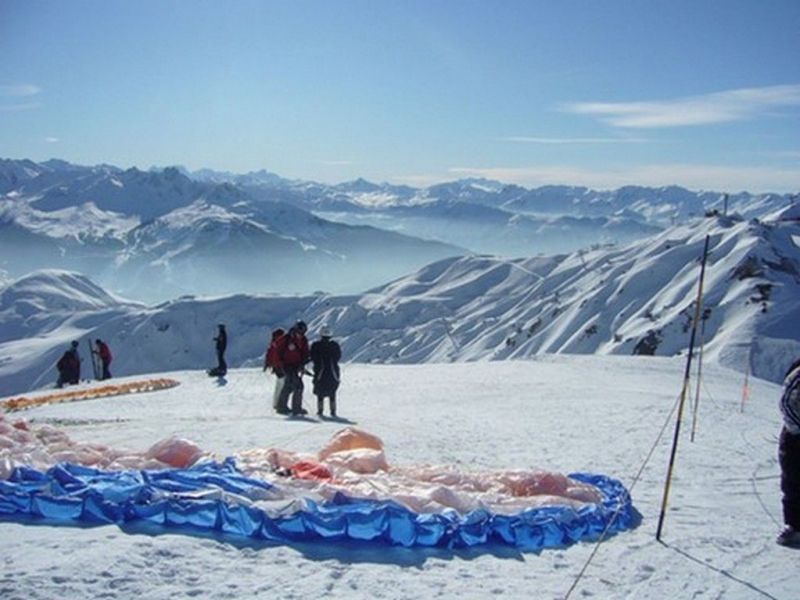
69, 366
104, 352
325, 354
221, 343
789, 457
292, 356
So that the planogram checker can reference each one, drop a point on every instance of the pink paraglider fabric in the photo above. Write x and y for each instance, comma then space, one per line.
348, 489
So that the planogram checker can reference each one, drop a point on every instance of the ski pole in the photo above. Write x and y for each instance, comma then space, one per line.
675, 437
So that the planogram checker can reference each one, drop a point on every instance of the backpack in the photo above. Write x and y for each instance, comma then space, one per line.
105, 352
272, 359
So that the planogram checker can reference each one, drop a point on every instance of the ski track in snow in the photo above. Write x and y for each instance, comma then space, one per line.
565, 413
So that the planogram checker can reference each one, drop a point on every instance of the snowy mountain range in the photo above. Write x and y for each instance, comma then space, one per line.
158, 234
639, 299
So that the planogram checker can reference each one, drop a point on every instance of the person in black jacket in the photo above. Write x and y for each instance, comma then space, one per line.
69, 366
325, 355
221, 344
789, 457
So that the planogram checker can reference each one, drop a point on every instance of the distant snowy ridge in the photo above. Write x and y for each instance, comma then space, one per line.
634, 300
158, 234
104, 221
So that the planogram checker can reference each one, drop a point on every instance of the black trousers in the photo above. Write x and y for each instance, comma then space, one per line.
321, 403
292, 386
789, 458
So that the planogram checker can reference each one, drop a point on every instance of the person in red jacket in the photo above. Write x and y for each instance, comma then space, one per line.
104, 353
271, 362
292, 356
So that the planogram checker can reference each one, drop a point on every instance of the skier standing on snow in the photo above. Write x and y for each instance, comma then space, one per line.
221, 343
789, 457
104, 352
293, 355
325, 354
69, 366
272, 362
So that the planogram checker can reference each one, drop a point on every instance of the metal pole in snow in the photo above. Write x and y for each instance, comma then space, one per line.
683, 393
745, 387
92, 358
699, 376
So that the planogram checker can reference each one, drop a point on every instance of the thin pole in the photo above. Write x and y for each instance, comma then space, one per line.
745, 387
699, 374
683, 392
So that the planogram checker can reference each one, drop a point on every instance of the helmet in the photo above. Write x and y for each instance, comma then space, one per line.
325, 331
74, 343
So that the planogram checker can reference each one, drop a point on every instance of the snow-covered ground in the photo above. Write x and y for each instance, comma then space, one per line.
562, 413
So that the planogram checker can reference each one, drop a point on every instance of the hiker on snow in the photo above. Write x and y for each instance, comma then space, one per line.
221, 343
104, 352
325, 354
789, 457
293, 355
69, 366
271, 362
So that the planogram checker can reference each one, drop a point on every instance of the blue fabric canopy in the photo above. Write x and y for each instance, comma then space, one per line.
181, 498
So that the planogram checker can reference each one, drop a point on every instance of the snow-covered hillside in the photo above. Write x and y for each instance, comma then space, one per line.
633, 300
560, 413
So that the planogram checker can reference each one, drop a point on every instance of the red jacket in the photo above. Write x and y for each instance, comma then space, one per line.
292, 350
271, 359
104, 352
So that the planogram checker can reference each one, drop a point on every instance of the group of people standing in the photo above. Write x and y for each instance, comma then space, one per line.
69, 365
287, 356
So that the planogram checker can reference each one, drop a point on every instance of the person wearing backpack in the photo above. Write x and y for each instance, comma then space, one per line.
104, 352
69, 366
292, 353
272, 362
789, 457
325, 355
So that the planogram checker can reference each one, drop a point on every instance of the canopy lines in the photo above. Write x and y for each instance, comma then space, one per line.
103, 391
630, 489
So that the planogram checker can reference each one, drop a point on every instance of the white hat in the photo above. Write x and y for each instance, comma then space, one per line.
325, 331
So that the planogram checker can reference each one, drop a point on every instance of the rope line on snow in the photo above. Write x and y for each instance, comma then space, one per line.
724, 572
630, 489
753, 480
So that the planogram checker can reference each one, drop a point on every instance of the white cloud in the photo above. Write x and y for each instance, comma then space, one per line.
720, 107
790, 154
556, 141
19, 107
698, 177
19, 89
52, 140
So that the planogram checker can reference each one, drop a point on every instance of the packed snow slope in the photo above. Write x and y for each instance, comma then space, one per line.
633, 300
562, 413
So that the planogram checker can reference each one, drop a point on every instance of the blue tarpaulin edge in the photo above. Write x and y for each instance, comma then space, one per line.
171, 498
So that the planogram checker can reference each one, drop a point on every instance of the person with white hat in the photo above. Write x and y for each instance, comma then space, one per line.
325, 355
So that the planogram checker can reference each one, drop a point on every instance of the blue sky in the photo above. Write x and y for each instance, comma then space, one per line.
704, 94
